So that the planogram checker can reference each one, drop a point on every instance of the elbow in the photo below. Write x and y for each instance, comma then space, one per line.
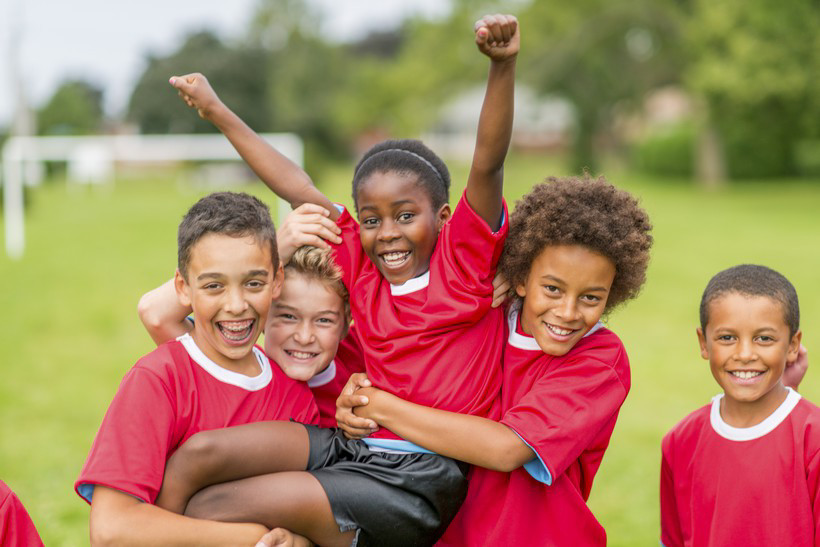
146, 313
105, 532
510, 455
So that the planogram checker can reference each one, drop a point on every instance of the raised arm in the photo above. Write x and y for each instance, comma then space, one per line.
122, 520
162, 314
497, 37
286, 179
471, 439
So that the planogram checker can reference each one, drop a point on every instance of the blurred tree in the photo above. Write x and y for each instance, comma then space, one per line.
600, 54
74, 109
237, 73
756, 65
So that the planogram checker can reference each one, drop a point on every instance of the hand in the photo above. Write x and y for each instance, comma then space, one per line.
500, 289
497, 37
308, 224
197, 93
353, 426
279, 537
796, 370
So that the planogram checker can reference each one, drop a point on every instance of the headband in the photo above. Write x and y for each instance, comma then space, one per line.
402, 150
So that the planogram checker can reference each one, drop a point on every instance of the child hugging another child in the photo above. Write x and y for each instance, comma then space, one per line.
210, 378
745, 469
420, 282
577, 249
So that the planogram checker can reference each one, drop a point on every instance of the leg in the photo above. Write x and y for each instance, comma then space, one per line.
222, 455
292, 500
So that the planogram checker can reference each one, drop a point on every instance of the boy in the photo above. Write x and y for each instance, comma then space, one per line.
744, 470
228, 272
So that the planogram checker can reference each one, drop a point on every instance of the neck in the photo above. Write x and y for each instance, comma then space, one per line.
738, 413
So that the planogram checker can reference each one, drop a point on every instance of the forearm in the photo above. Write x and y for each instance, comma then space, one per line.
121, 520
286, 179
471, 439
162, 315
485, 182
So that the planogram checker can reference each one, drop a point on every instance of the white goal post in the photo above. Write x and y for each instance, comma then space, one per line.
92, 159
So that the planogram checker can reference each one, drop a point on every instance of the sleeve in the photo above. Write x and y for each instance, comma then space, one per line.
565, 411
348, 254
305, 410
812, 441
134, 440
671, 534
473, 248
16, 527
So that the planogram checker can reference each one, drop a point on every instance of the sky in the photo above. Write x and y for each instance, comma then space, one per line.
106, 41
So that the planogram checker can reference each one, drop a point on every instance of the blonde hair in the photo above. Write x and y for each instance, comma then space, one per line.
317, 264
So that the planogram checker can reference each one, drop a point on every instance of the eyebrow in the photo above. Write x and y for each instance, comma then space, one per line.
393, 204
217, 275
561, 281
286, 307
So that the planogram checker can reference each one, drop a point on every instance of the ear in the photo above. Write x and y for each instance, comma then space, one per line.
794, 347
182, 288
276, 284
521, 290
442, 216
704, 352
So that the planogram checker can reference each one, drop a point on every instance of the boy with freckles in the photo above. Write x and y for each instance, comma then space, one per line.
744, 470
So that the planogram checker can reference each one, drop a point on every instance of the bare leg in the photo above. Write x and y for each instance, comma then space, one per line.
222, 455
292, 500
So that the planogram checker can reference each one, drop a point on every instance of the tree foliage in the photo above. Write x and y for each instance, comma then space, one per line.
75, 109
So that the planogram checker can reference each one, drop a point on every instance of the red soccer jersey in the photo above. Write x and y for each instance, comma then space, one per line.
327, 385
433, 340
16, 528
565, 409
722, 485
170, 394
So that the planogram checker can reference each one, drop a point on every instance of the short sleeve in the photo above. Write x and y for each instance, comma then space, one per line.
566, 409
671, 534
348, 254
474, 249
134, 440
813, 481
16, 527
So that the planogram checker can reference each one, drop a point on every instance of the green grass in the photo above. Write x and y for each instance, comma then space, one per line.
70, 329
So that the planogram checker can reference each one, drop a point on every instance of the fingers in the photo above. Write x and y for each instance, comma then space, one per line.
495, 30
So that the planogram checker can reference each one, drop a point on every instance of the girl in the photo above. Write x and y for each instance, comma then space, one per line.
420, 280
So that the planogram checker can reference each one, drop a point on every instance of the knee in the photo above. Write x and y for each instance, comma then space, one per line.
199, 451
212, 503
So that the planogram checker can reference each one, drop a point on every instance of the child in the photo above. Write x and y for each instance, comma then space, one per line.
421, 285
745, 469
578, 248
16, 528
212, 378
307, 332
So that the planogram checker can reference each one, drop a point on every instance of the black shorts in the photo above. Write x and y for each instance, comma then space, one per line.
390, 499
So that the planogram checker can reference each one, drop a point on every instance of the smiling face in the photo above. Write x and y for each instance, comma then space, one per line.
398, 225
747, 343
304, 327
564, 296
230, 283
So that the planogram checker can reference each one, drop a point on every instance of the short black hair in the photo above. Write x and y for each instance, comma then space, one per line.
585, 211
753, 280
410, 157
230, 213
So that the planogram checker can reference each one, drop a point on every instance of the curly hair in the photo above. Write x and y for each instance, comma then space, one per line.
584, 211
318, 264
410, 157
753, 280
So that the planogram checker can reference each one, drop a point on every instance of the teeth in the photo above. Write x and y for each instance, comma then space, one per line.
395, 258
301, 354
235, 330
745, 374
559, 330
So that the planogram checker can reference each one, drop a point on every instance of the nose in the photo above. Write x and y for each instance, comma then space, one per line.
236, 303
388, 231
568, 310
303, 333
746, 351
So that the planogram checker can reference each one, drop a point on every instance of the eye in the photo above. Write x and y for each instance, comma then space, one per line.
765, 339
370, 222
325, 321
590, 298
405, 217
725, 338
213, 286
551, 289
255, 284
287, 316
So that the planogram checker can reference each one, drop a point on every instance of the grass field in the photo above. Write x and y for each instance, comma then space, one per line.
70, 329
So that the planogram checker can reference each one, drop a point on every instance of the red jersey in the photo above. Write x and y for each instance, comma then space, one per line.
723, 485
327, 385
16, 528
170, 394
433, 340
565, 409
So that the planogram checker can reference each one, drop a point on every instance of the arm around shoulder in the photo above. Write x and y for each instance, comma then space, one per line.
162, 314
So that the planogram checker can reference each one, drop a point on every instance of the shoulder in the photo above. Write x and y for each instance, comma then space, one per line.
692, 424
167, 361
602, 348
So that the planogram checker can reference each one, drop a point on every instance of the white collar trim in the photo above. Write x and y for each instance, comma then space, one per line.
528, 343
323, 377
249, 383
756, 431
411, 285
